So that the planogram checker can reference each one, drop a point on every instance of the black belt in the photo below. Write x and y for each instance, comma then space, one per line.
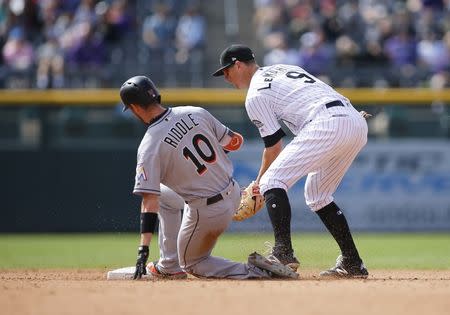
214, 199
333, 104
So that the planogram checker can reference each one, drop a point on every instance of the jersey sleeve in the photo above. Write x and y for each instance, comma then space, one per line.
222, 132
147, 178
262, 116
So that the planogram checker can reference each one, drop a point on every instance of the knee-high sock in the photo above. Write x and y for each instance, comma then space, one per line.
279, 208
336, 223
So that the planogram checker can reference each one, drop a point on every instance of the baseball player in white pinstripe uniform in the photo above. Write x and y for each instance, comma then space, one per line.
328, 134
185, 148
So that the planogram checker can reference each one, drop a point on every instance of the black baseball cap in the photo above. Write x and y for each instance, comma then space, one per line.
232, 54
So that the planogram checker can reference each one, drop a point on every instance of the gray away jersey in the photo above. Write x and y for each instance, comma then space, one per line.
183, 150
286, 93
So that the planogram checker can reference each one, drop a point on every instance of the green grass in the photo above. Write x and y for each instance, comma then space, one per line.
380, 251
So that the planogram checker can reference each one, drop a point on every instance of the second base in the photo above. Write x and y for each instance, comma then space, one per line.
125, 273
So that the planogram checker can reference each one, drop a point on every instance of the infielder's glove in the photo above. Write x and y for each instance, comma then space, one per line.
251, 203
141, 262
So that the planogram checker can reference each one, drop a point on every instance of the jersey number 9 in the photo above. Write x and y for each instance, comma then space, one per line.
298, 75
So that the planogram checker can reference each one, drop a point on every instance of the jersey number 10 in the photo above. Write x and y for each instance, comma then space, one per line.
209, 158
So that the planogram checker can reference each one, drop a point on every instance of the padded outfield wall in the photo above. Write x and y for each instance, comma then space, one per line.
395, 185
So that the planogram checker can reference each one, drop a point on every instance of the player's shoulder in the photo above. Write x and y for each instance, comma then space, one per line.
195, 111
260, 85
188, 109
149, 143
264, 76
276, 70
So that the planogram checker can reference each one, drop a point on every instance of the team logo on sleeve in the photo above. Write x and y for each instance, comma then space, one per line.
257, 123
141, 175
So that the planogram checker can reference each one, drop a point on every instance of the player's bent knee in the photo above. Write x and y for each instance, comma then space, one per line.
316, 205
266, 184
276, 196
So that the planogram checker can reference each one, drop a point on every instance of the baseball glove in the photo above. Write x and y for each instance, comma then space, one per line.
251, 203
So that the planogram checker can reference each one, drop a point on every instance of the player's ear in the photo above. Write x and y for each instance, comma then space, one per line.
133, 107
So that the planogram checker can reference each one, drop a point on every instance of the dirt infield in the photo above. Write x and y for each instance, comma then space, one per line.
87, 292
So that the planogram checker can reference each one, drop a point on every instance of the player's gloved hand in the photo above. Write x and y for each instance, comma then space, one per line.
141, 262
251, 202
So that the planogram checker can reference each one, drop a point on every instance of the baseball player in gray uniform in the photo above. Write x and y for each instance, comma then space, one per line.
169, 215
185, 148
328, 134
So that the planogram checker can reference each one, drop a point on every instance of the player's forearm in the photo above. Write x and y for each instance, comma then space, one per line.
150, 203
262, 170
269, 155
149, 210
146, 238
264, 166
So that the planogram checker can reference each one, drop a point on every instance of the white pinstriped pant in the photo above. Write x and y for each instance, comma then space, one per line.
324, 150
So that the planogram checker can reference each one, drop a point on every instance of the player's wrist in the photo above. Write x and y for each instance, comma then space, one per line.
148, 223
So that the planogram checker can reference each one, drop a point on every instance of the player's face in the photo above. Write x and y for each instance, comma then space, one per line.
228, 74
232, 75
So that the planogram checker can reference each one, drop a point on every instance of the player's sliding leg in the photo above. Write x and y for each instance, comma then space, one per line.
202, 225
171, 205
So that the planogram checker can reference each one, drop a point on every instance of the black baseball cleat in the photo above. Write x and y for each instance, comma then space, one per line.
285, 258
346, 269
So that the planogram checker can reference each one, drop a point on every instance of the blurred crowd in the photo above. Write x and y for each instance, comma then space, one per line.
356, 43
91, 43
99, 43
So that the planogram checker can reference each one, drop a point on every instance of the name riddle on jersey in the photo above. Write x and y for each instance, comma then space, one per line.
179, 130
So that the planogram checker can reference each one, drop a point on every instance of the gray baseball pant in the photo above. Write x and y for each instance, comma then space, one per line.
200, 228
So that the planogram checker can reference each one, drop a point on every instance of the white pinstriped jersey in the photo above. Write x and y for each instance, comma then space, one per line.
286, 93
323, 149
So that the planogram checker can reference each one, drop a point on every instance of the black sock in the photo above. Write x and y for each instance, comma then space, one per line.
335, 221
277, 204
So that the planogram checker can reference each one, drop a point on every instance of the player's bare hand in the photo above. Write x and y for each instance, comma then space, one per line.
141, 262
255, 188
365, 114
